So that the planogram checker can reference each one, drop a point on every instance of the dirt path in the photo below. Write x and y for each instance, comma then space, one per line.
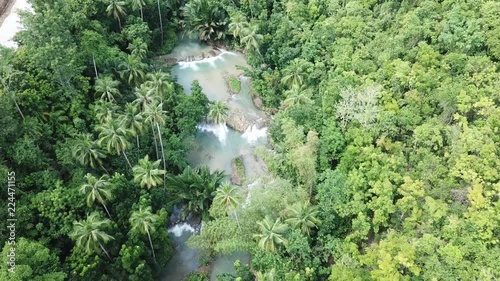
5, 7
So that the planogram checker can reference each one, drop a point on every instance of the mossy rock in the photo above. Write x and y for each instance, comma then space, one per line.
238, 171
234, 84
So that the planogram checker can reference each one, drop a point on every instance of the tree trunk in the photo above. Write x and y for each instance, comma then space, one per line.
13, 98
105, 252
107, 212
137, 139
161, 22
237, 220
156, 144
119, 23
126, 158
151, 244
142, 16
104, 169
95, 67
162, 153
18, 108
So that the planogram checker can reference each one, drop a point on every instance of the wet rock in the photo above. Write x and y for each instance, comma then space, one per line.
257, 101
237, 121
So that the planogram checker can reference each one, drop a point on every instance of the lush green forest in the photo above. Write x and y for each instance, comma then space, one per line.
385, 159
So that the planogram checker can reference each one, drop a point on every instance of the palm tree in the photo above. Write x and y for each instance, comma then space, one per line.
195, 188
217, 112
89, 234
271, 233
132, 69
239, 24
138, 4
294, 74
156, 115
302, 216
117, 10
104, 111
138, 48
147, 173
133, 120
87, 152
107, 87
296, 96
228, 197
251, 40
143, 221
145, 97
114, 136
159, 83
96, 190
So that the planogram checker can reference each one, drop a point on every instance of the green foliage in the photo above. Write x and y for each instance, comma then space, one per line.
195, 187
234, 84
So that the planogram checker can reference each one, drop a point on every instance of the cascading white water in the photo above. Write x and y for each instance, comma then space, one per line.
219, 130
253, 133
178, 229
11, 25
194, 64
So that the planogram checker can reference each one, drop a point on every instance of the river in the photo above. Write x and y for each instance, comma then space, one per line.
216, 145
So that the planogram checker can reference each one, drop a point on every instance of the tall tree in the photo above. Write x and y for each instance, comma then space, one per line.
302, 216
104, 111
159, 83
217, 112
143, 221
113, 135
116, 9
147, 174
138, 4
271, 233
132, 69
89, 234
107, 88
250, 40
87, 152
133, 120
156, 115
96, 190
228, 197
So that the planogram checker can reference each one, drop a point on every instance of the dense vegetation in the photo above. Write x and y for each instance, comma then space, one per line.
385, 160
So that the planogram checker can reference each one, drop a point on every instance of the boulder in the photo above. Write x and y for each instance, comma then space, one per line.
237, 121
257, 101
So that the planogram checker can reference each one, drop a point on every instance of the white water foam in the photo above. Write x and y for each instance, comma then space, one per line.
194, 65
178, 229
253, 133
11, 25
219, 130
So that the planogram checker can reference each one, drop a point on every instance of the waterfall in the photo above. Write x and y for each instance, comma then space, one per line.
178, 229
219, 130
192, 63
253, 133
